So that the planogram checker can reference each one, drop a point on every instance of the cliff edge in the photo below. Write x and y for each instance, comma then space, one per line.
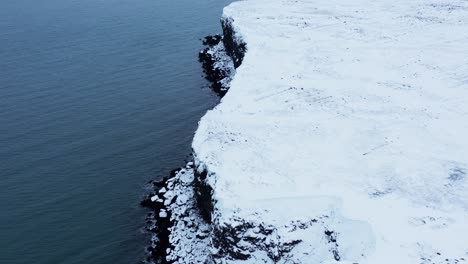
342, 137
343, 134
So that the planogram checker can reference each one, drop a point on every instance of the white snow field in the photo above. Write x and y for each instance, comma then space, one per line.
344, 134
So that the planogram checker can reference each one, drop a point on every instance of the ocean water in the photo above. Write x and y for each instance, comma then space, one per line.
97, 97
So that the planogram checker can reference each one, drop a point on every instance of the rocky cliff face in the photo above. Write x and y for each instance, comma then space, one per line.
181, 221
222, 55
342, 138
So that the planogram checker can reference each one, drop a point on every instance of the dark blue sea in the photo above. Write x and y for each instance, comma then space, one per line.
97, 97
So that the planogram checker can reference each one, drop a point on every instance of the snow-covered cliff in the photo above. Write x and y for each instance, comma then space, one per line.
343, 137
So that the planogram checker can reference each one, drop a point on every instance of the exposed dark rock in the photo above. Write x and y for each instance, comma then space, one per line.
159, 251
203, 192
146, 202
221, 56
173, 173
226, 241
218, 59
212, 40
234, 47
336, 255
214, 74
158, 225
332, 238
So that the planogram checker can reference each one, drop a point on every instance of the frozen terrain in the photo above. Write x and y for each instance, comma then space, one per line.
343, 137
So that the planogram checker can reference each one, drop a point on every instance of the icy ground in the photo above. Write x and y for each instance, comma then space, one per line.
344, 135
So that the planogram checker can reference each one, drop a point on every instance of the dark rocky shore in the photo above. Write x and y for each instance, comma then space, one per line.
222, 55
157, 226
219, 59
185, 195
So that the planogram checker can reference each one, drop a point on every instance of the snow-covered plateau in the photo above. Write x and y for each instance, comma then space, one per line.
343, 138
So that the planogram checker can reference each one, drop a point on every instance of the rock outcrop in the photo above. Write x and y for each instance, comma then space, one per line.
342, 138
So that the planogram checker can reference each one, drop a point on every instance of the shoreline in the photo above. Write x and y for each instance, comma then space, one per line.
195, 209
338, 141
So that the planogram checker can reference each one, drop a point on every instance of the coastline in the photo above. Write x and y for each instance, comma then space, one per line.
181, 204
325, 140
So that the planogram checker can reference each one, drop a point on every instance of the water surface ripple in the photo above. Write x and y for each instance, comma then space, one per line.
96, 98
